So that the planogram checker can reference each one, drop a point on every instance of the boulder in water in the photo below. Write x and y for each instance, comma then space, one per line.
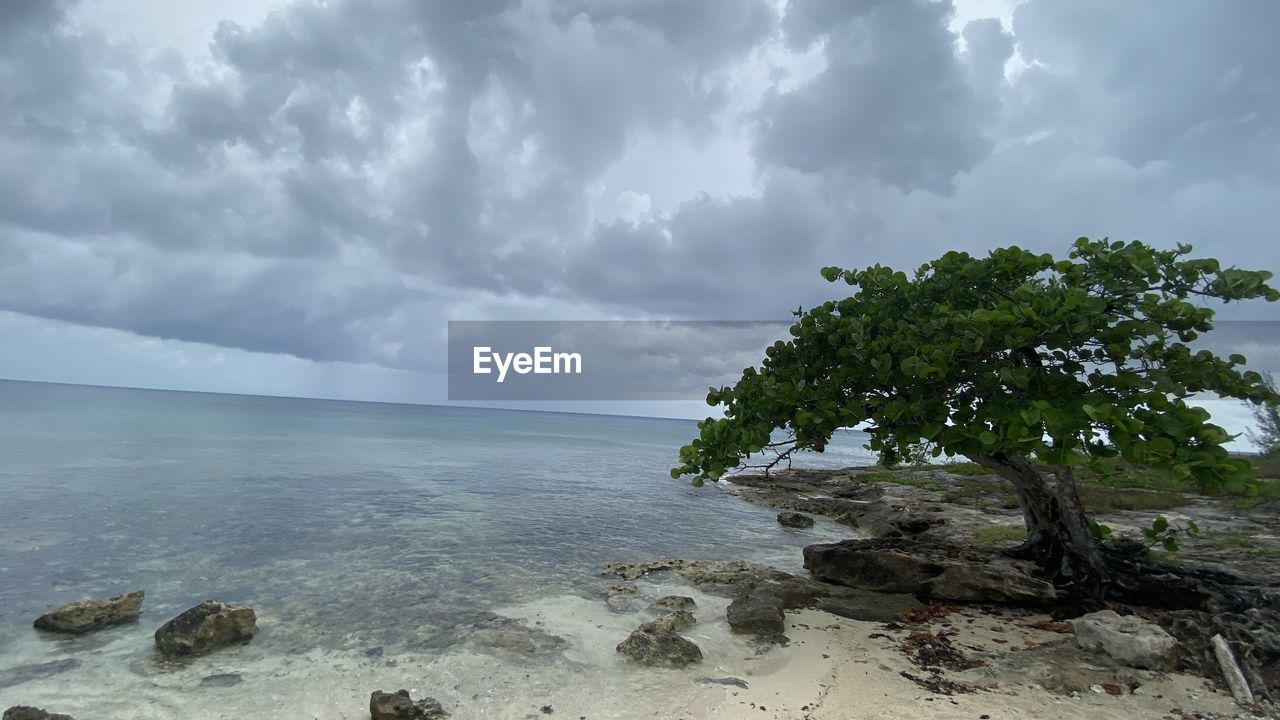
206, 627
88, 615
653, 644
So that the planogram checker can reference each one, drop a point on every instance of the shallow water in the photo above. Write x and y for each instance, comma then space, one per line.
383, 546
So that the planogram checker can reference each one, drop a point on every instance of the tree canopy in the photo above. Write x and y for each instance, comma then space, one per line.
1011, 355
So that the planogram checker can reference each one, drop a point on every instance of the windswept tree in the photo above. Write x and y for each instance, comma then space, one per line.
1022, 363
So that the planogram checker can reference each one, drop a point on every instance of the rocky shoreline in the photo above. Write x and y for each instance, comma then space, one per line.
918, 567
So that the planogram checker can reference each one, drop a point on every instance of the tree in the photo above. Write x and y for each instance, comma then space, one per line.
1022, 363
1267, 415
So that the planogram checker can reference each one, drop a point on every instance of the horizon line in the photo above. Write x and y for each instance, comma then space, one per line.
450, 406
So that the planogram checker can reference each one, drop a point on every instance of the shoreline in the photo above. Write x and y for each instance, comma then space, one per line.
559, 651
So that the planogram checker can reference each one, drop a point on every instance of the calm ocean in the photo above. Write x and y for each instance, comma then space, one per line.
372, 539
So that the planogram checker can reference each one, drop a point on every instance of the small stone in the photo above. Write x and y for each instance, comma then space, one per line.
88, 615
400, 706
1097, 689
221, 680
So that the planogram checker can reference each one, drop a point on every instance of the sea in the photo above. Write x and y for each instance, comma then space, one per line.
454, 552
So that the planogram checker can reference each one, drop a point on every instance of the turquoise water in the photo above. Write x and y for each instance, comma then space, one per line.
379, 536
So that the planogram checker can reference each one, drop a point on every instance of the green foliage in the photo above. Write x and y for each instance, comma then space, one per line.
1261, 493
1014, 354
1166, 534
900, 477
966, 468
1267, 415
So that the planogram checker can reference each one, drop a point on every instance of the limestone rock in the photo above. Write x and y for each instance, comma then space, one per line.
26, 712
758, 612
1125, 638
894, 566
672, 622
399, 706
674, 602
206, 627
87, 615
649, 645
790, 519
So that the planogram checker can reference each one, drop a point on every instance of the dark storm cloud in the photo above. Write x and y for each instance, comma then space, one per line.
894, 103
1188, 83
337, 180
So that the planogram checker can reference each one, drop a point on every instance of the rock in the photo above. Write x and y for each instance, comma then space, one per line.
26, 673
735, 682
399, 706
206, 627
1004, 582
655, 646
790, 519
734, 579
758, 612
672, 622
1125, 638
222, 680
894, 566
867, 606
674, 602
620, 596
26, 712
87, 615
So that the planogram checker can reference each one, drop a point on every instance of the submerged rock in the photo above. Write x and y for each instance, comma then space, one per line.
206, 627
399, 706
790, 519
656, 643
1125, 638
221, 680
892, 565
26, 673
672, 622
88, 615
674, 602
26, 712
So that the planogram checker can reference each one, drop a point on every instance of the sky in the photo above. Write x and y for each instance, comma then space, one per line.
294, 197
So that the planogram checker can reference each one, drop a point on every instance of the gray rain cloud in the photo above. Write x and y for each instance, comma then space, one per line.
338, 180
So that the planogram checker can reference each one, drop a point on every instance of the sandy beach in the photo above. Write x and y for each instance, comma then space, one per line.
834, 670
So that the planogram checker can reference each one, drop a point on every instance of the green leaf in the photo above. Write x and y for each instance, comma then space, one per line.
1170, 544
1161, 524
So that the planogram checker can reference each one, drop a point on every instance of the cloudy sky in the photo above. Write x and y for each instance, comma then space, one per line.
293, 197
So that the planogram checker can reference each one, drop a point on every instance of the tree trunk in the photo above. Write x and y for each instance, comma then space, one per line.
1058, 536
